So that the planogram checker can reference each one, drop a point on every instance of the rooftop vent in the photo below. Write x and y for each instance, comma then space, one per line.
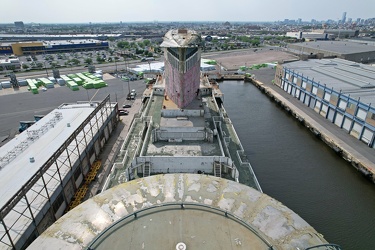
181, 246
182, 31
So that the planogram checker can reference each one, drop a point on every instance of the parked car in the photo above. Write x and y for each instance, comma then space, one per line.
131, 96
127, 106
122, 112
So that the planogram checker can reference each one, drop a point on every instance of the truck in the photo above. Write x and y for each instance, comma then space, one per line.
147, 59
25, 125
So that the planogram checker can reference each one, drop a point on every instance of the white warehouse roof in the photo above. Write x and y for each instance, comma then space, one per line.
40, 141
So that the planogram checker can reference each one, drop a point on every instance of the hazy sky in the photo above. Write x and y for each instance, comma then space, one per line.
84, 11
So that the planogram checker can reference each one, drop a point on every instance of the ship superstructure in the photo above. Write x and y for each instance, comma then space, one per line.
182, 59
199, 139
182, 126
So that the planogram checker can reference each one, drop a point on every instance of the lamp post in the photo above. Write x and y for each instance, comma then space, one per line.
45, 68
128, 85
126, 64
116, 65
128, 95
149, 65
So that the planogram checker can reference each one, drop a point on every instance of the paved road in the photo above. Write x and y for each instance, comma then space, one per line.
108, 67
111, 148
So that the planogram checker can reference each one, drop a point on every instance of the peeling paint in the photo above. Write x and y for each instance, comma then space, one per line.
195, 187
211, 188
226, 204
279, 225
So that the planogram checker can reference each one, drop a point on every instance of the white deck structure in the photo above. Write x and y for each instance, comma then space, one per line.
160, 211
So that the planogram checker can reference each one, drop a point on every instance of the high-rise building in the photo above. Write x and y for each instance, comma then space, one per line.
343, 19
182, 65
19, 25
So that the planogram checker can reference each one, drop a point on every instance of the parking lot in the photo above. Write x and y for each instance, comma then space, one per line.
68, 59
23, 105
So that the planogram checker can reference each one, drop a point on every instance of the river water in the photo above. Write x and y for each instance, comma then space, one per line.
299, 170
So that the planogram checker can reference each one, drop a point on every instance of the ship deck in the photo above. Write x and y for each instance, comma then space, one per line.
151, 142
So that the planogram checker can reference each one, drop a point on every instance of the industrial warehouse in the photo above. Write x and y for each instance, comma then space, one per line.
47, 37
341, 91
360, 52
41, 47
43, 167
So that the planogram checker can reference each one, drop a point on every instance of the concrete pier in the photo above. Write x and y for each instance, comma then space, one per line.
349, 148
233, 77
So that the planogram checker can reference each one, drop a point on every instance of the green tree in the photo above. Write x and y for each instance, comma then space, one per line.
11, 67
88, 61
244, 39
25, 66
139, 51
146, 42
99, 59
255, 42
122, 44
141, 44
133, 45
75, 61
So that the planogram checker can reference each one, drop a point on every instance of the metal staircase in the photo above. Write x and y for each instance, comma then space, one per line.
146, 169
217, 169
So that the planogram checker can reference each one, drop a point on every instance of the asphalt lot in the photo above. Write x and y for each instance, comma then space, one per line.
248, 57
24, 105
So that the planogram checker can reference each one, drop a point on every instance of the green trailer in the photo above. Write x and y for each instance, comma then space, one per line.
32, 87
72, 85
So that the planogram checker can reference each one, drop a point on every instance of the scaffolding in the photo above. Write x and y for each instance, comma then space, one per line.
80, 194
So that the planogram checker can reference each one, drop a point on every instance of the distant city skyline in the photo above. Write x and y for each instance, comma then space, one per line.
84, 11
